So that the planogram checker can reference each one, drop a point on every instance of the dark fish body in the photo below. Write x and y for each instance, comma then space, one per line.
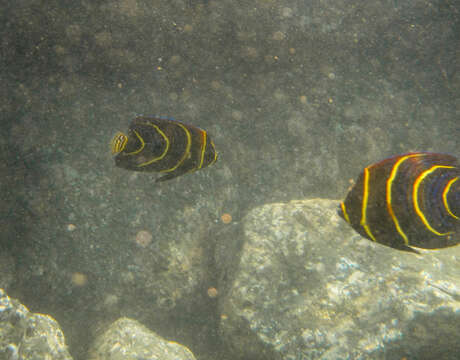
162, 145
407, 200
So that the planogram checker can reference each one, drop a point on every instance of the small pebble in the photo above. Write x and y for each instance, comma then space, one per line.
212, 292
143, 238
79, 279
226, 218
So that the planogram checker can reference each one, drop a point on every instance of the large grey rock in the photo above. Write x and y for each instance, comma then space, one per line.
28, 336
128, 339
308, 287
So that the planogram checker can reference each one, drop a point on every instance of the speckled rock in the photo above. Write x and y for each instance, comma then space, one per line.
28, 336
128, 339
309, 287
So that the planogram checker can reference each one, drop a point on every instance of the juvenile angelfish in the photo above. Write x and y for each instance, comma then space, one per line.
162, 145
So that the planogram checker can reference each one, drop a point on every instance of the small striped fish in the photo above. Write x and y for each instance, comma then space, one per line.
163, 145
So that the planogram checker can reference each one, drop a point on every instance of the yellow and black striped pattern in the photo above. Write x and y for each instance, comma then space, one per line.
407, 200
163, 145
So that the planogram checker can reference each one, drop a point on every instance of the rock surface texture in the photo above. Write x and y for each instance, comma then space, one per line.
309, 287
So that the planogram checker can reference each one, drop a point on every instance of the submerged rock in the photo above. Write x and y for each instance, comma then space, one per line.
308, 287
25, 335
129, 339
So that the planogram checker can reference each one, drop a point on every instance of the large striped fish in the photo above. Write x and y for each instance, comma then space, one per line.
163, 145
409, 200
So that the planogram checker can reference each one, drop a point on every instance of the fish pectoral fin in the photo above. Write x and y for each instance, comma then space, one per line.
408, 249
166, 177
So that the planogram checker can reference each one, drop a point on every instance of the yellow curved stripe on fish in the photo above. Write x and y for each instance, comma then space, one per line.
344, 212
140, 147
215, 153
203, 148
419, 212
390, 180
186, 152
444, 198
165, 151
363, 222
